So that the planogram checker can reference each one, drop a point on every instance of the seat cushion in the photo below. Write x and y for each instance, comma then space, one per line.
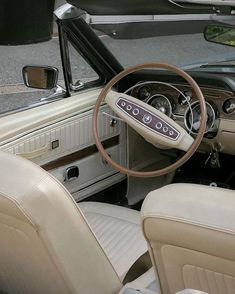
118, 232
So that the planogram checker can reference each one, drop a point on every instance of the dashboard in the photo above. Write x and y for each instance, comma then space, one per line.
177, 100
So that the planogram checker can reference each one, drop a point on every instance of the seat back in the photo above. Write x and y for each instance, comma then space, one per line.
46, 244
190, 231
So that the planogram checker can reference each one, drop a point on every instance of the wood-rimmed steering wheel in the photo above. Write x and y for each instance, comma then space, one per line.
156, 127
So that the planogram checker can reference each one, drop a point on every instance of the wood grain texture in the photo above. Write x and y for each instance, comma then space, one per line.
79, 154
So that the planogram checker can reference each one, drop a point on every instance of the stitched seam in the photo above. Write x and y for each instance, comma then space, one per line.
11, 198
189, 222
110, 216
40, 238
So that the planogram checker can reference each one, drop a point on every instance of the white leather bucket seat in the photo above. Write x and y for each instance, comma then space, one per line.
191, 234
46, 244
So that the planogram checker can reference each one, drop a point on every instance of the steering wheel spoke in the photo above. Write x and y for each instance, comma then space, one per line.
153, 125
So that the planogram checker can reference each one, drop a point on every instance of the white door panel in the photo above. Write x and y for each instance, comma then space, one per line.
71, 134
59, 135
21, 123
92, 169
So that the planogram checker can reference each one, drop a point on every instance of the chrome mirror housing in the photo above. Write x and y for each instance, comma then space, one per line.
40, 77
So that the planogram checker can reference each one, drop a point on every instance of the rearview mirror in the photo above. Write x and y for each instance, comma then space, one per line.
220, 34
40, 77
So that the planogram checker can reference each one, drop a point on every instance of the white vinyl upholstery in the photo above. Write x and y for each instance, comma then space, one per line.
46, 245
118, 231
190, 230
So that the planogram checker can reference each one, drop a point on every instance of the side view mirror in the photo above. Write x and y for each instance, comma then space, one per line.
220, 34
40, 77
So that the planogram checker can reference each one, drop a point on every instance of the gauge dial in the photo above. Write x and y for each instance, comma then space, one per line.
161, 103
193, 118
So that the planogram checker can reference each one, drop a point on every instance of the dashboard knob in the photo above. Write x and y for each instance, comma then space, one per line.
229, 106
185, 98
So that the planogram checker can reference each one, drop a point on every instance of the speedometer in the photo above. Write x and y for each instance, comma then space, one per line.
161, 103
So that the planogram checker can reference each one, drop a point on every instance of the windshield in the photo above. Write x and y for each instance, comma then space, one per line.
182, 50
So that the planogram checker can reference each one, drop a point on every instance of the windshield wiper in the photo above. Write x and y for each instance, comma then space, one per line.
216, 67
221, 62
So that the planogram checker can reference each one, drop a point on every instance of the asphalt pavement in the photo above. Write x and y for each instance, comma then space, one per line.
179, 50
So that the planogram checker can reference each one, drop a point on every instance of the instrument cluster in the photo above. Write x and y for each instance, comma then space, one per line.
180, 103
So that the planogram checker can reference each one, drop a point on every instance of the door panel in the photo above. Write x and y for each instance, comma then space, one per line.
59, 135
62, 138
16, 125
92, 169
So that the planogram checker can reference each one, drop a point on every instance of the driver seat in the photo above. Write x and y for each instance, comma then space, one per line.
46, 243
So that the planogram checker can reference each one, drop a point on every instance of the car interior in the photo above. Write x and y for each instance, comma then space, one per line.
123, 184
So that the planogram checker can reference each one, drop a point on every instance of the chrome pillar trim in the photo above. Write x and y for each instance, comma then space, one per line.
58, 91
67, 11
119, 19
77, 86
